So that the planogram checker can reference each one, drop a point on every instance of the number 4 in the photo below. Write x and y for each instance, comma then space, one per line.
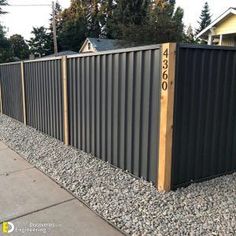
166, 52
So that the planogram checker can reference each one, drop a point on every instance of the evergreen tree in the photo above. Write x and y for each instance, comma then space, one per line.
127, 15
74, 26
19, 47
5, 47
205, 18
165, 23
40, 43
138, 21
157, 22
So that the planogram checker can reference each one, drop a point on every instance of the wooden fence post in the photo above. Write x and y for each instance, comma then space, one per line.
65, 100
23, 92
166, 116
1, 109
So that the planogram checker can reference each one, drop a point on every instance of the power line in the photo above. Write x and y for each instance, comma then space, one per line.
29, 5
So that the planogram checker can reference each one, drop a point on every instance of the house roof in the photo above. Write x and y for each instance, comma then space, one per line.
63, 53
102, 44
230, 11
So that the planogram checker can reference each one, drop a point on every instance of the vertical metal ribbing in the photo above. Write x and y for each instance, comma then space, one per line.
109, 114
112, 109
116, 110
12, 90
137, 112
93, 102
204, 136
122, 110
98, 105
130, 111
43, 91
145, 106
104, 107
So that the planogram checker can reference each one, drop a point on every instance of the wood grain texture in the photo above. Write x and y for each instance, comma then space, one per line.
1, 110
23, 92
65, 100
166, 116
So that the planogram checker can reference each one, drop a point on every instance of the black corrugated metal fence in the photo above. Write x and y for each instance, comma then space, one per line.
114, 106
43, 92
204, 137
11, 90
113, 102
115, 99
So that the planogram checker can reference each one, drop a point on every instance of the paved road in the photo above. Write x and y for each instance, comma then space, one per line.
36, 205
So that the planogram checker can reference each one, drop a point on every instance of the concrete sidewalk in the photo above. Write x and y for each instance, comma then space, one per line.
36, 205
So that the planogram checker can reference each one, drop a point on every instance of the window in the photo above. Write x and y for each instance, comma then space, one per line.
89, 46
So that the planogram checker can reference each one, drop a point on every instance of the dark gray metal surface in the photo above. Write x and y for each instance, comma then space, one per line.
10, 77
204, 137
43, 90
114, 107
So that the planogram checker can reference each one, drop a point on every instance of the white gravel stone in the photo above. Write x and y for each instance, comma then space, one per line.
133, 205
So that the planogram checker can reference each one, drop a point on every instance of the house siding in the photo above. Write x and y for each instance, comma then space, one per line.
228, 26
86, 49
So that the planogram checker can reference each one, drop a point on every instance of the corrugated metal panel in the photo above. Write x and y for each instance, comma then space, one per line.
10, 76
43, 88
204, 137
114, 107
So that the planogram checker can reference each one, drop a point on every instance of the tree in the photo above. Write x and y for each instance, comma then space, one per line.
74, 26
165, 23
5, 48
40, 43
127, 15
19, 47
156, 22
136, 21
58, 21
106, 14
93, 18
2, 3
205, 18
189, 36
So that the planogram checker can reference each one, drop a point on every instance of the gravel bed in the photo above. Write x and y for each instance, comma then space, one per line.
133, 205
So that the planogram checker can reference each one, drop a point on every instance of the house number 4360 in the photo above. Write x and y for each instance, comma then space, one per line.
165, 67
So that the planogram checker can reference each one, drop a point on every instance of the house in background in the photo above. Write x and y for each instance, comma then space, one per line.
221, 31
99, 45
59, 54
63, 53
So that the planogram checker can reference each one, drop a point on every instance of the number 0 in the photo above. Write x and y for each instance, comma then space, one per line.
164, 85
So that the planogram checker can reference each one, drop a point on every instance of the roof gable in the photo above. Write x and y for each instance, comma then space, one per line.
104, 44
222, 17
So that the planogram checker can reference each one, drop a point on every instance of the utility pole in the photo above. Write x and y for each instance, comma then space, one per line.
54, 29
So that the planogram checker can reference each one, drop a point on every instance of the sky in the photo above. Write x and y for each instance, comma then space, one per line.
20, 20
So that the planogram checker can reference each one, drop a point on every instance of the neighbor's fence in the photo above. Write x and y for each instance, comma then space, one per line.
164, 113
